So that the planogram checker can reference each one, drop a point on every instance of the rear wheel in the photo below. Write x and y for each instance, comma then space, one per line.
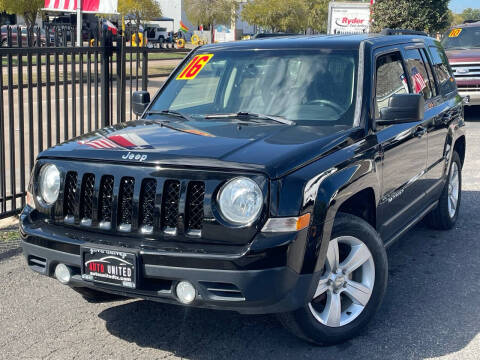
444, 216
351, 288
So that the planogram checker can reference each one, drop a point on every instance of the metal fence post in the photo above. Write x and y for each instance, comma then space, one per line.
107, 50
145, 64
122, 78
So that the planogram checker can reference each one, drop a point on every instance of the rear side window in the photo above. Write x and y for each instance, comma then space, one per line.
390, 80
442, 70
421, 83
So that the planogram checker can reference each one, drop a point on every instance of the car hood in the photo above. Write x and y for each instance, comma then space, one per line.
471, 55
264, 147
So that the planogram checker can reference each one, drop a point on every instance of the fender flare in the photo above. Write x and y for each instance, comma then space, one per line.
327, 192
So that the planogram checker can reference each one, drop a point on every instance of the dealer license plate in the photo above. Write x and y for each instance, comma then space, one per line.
109, 267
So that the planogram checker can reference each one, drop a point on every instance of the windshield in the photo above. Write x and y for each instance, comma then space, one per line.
317, 87
462, 38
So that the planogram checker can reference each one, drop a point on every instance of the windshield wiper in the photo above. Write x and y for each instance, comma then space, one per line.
170, 113
248, 115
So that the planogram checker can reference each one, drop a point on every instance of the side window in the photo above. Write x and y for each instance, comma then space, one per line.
418, 74
431, 79
442, 70
390, 80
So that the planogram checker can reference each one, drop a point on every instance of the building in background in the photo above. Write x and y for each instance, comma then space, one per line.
175, 9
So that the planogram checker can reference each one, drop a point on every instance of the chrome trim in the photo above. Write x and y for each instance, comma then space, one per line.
86, 222
170, 231
195, 233
69, 219
146, 229
125, 227
105, 225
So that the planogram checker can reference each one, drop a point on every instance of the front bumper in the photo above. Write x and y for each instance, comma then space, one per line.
241, 280
473, 95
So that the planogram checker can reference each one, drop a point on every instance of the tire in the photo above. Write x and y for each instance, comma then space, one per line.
311, 322
444, 216
94, 296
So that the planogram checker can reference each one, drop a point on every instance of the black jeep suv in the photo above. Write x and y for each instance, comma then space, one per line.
265, 176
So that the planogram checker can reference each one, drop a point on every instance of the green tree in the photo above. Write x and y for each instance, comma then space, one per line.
142, 10
454, 19
211, 12
423, 15
470, 14
29, 9
287, 15
278, 15
318, 15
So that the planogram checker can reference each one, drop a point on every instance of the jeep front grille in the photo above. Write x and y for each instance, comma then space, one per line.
106, 202
69, 195
147, 205
170, 206
125, 208
128, 204
195, 195
86, 199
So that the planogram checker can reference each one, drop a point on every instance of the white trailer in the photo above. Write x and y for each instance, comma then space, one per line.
348, 18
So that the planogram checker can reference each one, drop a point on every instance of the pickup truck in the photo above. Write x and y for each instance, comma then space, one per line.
265, 177
462, 44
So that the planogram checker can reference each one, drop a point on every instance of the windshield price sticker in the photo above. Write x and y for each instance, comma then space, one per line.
194, 67
455, 32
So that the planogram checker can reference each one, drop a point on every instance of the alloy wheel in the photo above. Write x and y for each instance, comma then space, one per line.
346, 287
453, 190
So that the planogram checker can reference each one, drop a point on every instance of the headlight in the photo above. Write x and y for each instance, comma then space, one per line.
49, 183
240, 201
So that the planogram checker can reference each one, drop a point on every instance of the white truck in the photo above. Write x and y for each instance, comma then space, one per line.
348, 18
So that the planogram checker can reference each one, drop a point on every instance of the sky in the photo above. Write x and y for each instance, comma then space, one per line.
457, 6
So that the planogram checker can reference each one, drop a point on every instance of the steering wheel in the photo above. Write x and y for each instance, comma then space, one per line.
328, 103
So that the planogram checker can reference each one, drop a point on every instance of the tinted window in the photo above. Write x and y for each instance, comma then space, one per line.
315, 87
442, 70
418, 74
390, 80
431, 79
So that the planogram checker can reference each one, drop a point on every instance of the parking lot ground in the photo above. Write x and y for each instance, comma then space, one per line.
431, 310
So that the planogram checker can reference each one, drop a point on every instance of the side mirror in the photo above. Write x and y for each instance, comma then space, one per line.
140, 101
402, 108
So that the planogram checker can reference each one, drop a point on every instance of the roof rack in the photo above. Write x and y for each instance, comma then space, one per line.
471, 21
402, 32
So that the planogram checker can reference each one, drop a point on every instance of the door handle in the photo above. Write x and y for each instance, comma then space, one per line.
420, 132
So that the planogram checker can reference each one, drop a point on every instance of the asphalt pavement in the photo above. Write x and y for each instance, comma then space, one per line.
431, 309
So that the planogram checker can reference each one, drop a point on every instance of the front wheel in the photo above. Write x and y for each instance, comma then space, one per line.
351, 288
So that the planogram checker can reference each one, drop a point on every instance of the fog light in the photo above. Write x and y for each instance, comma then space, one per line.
186, 292
63, 274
